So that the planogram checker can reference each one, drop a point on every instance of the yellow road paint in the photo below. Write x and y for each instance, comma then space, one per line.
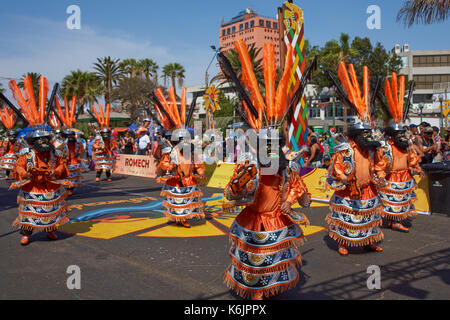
176, 231
109, 229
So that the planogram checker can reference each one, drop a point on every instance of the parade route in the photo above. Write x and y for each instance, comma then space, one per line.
125, 249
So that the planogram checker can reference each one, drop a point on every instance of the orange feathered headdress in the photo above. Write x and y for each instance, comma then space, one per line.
395, 93
272, 108
101, 117
360, 100
8, 117
68, 115
32, 111
171, 118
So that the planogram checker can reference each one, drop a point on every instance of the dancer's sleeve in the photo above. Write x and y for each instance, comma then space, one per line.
165, 163
199, 168
20, 169
298, 191
338, 169
61, 170
413, 162
380, 165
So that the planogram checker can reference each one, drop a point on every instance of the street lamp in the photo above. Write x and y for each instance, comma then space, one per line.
206, 73
421, 105
331, 91
441, 98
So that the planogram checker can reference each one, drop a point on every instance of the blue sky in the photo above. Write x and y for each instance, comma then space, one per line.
34, 36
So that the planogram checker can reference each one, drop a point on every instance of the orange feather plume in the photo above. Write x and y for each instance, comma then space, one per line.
173, 106
395, 93
183, 106
43, 91
248, 76
281, 94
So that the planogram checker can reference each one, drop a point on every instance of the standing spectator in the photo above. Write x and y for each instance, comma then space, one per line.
446, 146
143, 142
90, 143
314, 159
128, 144
429, 147
330, 143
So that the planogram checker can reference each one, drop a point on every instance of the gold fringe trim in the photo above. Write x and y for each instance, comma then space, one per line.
41, 229
248, 293
341, 224
346, 210
45, 205
187, 206
279, 267
399, 217
389, 191
172, 217
356, 243
60, 211
296, 243
193, 194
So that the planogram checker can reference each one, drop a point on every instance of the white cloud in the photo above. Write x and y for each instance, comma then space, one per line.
48, 47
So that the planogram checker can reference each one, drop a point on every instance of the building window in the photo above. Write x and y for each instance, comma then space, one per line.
252, 23
228, 31
431, 61
233, 29
223, 32
261, 23
267, 24
275, 25
246, 25
241, 27
427, 81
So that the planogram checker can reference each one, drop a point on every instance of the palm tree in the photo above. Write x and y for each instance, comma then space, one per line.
85, 86
424, 11
34, 81
109, 72
149, 69
131, 66
173, 71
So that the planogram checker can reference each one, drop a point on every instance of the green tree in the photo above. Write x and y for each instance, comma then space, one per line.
133, 94
149, 69
85, 86
131, 66
109, 72
424, 11
173, 71
226, 106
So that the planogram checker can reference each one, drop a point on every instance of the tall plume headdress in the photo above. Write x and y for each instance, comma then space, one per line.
360, 101
397, 108
170, 116
36, 112
269, 111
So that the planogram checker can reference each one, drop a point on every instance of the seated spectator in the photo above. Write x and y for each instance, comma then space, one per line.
326, 161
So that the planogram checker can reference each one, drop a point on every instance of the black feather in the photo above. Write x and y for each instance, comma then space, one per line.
408, 101
14, 108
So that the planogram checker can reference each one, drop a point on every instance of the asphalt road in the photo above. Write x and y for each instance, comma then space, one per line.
173, 267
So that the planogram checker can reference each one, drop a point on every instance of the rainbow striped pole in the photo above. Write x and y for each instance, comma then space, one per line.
293, 33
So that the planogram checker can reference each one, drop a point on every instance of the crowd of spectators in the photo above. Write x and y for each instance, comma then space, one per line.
425, 140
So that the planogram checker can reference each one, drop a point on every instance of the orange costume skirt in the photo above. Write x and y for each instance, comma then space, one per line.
183, 199
264, 245
398, 196
355, 220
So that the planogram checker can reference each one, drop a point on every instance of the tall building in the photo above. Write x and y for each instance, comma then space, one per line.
251, 28
430, 70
